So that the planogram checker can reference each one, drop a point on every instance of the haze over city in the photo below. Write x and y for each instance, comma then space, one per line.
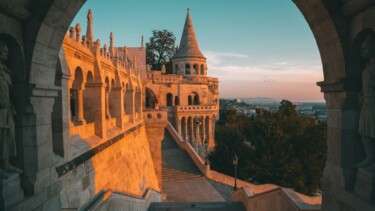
255, 48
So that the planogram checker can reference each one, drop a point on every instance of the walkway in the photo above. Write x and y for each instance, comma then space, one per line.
182, 180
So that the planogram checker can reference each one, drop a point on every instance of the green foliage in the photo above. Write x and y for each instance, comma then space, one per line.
160, 48
283, 148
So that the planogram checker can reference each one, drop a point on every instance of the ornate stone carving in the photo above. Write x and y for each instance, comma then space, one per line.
367, 101
7, 128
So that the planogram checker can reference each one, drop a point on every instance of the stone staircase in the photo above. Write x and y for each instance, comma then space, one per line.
177, 164
197, 206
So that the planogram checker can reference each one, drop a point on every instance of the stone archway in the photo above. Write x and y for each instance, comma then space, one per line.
329, 22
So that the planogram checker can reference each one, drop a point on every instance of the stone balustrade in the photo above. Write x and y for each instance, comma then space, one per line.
196, 108
155, 115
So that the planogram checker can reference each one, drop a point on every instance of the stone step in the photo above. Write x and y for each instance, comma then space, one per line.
198, 206
177, 164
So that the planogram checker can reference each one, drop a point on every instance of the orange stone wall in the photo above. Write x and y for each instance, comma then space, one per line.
125, 166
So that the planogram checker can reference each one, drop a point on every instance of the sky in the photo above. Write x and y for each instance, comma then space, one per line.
257, 48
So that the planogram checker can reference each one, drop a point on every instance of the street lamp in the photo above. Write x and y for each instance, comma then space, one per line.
235, 163
197, 121
206, 147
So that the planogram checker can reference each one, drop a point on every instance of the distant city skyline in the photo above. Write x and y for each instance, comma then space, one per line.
255, 48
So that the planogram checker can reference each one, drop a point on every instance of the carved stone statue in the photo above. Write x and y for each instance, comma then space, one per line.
7, 129
367, 101
163, 69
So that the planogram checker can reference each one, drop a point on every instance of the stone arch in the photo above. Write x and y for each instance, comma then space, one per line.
169, 99
107, 101
78, 78
89, 77
176, 100
176, 70
328, 26
151, 99
330, 34
89, 98
195, 69
196, 99
187, 69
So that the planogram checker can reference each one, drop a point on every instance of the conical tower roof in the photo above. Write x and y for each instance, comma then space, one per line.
189, 44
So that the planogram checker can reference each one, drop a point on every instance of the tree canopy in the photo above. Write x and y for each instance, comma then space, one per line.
160, 48
283, 147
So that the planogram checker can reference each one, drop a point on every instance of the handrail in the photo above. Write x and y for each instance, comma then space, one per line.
93, 200
198, 161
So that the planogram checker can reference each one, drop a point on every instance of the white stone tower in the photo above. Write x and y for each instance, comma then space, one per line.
189, 60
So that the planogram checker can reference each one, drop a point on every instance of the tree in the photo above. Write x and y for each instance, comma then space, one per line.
282, 148
160, 48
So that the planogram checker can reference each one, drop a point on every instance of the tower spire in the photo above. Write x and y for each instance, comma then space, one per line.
189, 44
111, 44
142, 44
89, 33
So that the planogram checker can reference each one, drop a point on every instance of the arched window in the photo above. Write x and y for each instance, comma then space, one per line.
89, 78
195, 69
169, 99
196, 99
151, 100
176, 100
88, 99
74, 99
72, 105
190, 100
202, 69
187, 69
176, 69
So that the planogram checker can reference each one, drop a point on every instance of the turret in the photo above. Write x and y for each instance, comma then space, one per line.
189, 59
89, 33
111, 45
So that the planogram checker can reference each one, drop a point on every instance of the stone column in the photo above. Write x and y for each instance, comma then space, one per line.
186, 130
197, 133
130, 105
117, 100
99, 107
191, 132
179, 122
203, 130
107, 114
343, 143
80, 119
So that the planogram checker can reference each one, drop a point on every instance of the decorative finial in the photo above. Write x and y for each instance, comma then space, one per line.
78, 31
111, 37
142, 44
89, 16
188, 9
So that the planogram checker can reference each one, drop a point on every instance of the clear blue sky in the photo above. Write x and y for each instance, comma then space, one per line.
257, 48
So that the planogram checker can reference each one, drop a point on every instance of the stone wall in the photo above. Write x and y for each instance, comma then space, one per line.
278, 199
126, 166
120, 202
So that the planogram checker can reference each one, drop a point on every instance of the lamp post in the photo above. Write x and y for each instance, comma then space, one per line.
235, 163
197, 121
206, 147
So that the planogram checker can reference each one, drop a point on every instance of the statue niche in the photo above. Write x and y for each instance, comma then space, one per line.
7, 111
367, 102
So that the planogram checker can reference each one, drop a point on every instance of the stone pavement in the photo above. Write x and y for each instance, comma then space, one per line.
182, 181
193, 190
200, 206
